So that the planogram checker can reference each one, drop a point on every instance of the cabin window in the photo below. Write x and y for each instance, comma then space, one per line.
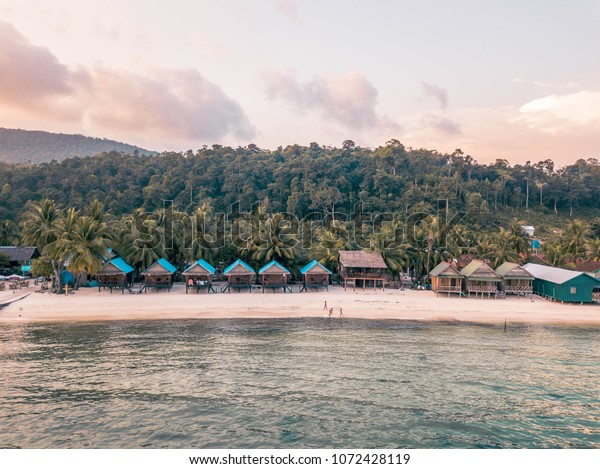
573, 290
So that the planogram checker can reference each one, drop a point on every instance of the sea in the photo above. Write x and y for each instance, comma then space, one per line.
298, 383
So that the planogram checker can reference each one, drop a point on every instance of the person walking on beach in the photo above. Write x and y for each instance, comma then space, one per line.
330, 312
325, 306
341, 314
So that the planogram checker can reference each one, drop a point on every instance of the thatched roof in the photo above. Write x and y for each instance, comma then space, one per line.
444, 269
479, 270
510, 270
362, 259
19, 254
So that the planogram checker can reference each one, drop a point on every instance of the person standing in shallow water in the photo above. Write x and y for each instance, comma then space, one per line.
330, 312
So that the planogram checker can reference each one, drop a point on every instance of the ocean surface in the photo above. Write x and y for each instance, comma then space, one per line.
298, 383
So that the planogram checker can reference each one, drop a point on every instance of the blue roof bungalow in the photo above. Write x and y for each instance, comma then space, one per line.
239, 275
116, 273
159, 275
199, 275
274, 275
316, 276
564, 285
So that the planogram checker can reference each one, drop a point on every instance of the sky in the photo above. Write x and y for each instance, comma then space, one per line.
517, 80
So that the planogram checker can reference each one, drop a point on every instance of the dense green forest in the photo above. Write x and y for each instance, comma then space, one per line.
28, 146
169, 205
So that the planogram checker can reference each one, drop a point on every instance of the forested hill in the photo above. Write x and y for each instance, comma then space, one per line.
22, 146
304, 179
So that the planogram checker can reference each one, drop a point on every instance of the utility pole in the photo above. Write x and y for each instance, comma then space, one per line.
527, 196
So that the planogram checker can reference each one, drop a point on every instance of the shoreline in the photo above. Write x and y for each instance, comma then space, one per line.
87, 304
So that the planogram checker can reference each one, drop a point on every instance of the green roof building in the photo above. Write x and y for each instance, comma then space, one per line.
564, 285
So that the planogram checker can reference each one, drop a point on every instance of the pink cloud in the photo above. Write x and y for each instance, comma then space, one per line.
176, 104
348, 99
289, 9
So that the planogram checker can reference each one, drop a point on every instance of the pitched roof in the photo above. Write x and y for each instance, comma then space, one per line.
120, 264
238, 263
444, 269
479, 270
274, 267
588, 266
366, 259
315, 265
512, 270
553, 274
161, 263
202, 263
19, 253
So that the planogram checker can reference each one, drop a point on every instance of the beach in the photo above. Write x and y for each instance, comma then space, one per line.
87, 304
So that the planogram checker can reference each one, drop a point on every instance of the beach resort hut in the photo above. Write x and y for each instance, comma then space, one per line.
199, 275
274, 275
362, 267
116, 273
315, 275
479, 277
20, 256
239, 275
564, 285
159, 275
445, 278
515, 279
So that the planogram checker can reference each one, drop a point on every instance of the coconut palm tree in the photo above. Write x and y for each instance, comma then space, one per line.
43, 224
503, 248
574, 238
388, 242
276, 239
86, 246
593, 249
9, 234
139, 239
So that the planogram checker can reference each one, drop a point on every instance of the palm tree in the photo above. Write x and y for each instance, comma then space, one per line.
9, 234
42, 225
203, 246
554, 254
574, 238
276, 240
327, 248
388, 242
40, 221
503, 248
86, 246
140, 239
593, 249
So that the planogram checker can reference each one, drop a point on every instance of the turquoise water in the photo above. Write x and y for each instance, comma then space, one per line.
298, 383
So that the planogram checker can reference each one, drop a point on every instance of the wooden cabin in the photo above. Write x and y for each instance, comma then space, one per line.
116, 273
239, 276
361, 268
199, 275
480, 278
515, 279
315, 275
445, 278
159, 275
275, 276
564, 285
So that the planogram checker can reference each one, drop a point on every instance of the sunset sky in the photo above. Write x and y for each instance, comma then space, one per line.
514, 79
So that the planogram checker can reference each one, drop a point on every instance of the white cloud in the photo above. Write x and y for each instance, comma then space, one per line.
556, 113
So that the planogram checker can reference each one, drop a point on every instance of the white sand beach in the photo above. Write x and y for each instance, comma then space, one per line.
87, 304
